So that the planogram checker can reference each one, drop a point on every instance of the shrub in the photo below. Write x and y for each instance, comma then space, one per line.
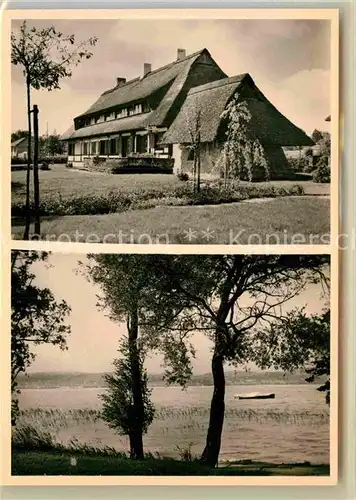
183, 176
299, 164
116, 201
96, 160
45, 164
322, 172
16, 160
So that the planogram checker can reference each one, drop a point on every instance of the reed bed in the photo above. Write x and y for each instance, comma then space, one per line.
191, 417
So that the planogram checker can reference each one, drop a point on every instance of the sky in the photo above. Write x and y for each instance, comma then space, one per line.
289, 61
94, 338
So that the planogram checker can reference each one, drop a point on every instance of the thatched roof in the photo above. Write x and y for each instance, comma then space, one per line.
129, 123
67, 134
18, 141
267, 123
172, 76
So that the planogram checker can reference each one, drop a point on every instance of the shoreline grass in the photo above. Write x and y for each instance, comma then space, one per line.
34, 463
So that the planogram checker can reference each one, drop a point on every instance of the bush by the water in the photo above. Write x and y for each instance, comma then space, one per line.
117, 201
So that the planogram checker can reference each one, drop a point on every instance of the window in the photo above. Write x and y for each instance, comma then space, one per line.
113, 146
96, 119
137, 109
141, 143
145, 107
71, 149
93, 148
102, 147
124, 145
85, 148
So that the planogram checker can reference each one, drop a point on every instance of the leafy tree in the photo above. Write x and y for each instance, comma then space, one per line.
316, 135
227, 298
46, 56
119, 408
300, 341
36, 317
243, 155
19, 134
124, 282
51, 145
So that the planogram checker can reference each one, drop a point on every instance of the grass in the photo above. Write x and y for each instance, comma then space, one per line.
299, 220
72, 182
52, 464
35, 452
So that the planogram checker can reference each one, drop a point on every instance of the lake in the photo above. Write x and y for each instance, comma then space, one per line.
293, 427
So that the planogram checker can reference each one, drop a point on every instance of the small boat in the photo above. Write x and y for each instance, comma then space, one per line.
256, 395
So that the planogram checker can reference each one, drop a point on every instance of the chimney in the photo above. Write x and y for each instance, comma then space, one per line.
120, 81
180, 54
147, 68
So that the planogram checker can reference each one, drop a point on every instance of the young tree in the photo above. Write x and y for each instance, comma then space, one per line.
194, 128
119, 408
300, 341
46, 56
124, 280
36, 317
227, 297
242, 155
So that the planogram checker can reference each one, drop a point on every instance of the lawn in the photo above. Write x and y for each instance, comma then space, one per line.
54, 464
69, 182
275, 220
297, 220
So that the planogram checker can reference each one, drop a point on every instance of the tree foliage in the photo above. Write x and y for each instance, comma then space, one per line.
47, 55
36, 317
300, 341
19, 134
118, 400
243, 155
51, 145
226, 297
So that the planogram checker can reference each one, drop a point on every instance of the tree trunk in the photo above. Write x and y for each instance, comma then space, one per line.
136, 440
136, 445
29, 154
211, 451
36, 182
198, 168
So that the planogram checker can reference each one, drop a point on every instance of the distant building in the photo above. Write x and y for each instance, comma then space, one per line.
19, 148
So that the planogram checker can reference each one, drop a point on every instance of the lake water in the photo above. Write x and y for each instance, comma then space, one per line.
293, 427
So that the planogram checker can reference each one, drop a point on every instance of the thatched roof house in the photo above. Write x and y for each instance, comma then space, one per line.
132, 116
209, 101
